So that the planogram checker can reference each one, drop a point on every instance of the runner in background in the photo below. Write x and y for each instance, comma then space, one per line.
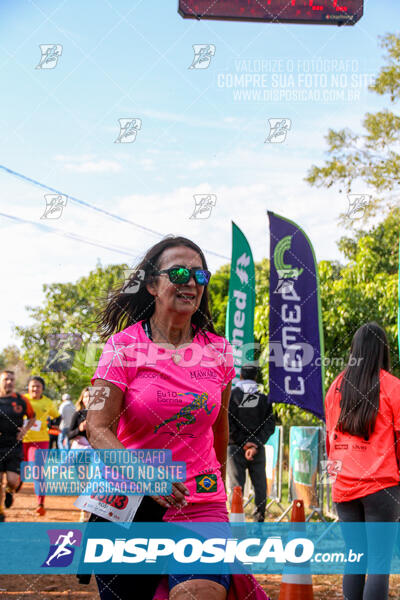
13, 409
67, 411
363, 431
38, 435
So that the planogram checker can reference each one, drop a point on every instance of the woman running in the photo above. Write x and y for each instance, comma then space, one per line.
38, 437
168, 375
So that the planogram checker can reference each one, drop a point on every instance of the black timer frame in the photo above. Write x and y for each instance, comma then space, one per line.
322, 14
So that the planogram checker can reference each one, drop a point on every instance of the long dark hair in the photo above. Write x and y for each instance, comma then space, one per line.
360, 386
124, 309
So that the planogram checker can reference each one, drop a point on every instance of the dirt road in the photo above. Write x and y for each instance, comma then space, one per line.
51, 587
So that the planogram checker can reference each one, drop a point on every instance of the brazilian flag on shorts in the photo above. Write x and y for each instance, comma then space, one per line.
205, 484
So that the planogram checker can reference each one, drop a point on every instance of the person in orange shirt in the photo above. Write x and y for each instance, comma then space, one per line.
38, 436
362, 409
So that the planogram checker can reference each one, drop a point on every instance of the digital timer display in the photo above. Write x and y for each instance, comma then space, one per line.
327, 12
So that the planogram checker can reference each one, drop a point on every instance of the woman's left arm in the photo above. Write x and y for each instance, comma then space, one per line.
221, 430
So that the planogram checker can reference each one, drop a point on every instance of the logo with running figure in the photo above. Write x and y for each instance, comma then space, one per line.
50, 53
128, 129
278, 130
203, 54
55, 204
357, 205
62, 351
62, 547
286, 273
204, 204
186, 415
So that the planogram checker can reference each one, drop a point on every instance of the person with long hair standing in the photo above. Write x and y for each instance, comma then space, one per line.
363, 428
77, 430
168, 399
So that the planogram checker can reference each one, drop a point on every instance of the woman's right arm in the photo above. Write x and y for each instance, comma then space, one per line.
101, 431
101, 425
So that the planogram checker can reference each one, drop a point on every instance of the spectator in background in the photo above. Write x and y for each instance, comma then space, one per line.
251, 423
67, 411
53, 425
362, 409
77, 432
38, 436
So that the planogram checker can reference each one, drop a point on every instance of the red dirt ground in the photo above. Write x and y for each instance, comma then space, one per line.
52, 587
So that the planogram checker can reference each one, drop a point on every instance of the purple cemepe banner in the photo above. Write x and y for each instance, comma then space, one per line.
296, 343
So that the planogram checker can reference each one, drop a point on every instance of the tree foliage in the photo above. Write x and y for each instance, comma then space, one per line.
363, 290
218, 290
68, 308
11, 359
371, 156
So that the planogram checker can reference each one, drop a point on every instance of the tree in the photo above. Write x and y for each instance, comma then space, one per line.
68, 308
373, 155
11, 359
363, 290
218, 291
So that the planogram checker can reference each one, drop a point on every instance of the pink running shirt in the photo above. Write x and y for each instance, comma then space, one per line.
168, 405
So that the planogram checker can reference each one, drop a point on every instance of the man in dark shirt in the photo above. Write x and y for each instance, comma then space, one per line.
13, 409
251, 423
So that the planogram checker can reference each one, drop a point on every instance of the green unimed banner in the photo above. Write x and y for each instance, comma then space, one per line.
239, 328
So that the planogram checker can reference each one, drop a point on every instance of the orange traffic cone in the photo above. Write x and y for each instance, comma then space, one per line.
296, 586
237, 512
298, 514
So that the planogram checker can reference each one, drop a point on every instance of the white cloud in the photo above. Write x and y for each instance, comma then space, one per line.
147, 164
74, 158
169, 118
91, 166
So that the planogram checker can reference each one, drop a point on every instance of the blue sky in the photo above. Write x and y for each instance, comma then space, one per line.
199, 135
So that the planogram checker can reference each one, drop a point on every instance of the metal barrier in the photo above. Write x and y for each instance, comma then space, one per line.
308, 478
305, 447
273, 471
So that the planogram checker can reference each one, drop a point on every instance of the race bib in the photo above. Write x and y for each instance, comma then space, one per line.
37, 426
117, 508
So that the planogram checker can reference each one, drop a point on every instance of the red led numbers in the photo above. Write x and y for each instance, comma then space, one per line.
339, 8
328, 12
316, 7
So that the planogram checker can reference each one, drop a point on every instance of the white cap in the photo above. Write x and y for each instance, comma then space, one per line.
65, 397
